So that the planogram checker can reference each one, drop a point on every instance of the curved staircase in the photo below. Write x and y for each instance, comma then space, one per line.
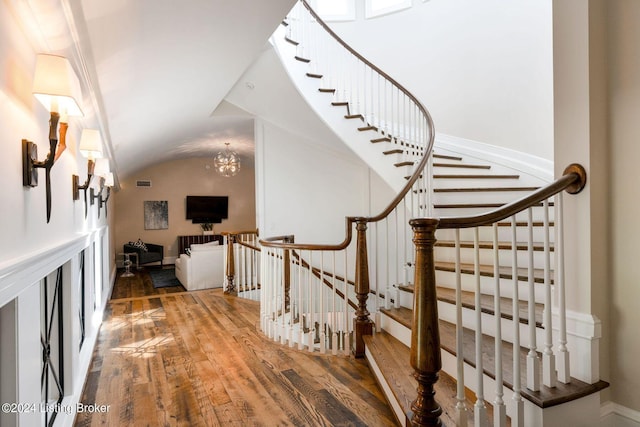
319, 297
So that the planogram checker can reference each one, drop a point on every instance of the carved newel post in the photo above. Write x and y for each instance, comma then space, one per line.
425, 335
362, 323
286, 261
231, 265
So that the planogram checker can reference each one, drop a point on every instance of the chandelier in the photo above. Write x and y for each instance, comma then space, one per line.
227, 162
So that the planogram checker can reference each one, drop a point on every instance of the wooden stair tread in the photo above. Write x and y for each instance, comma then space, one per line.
521, 246
394, 151
401, 164
383, 139
524, 224
446, 157
392, 358
467, 205
487, 271
301, 59
326, 90
460, 165
544, 398
314, 75
448, 295
482, 189
470, 176
476, 205
367, 128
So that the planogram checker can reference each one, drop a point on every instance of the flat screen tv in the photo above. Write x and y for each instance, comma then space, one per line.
201, 209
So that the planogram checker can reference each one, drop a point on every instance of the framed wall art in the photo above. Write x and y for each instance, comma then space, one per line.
156, 215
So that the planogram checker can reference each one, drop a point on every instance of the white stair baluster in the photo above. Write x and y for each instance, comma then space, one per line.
461, 407
564, 371
499, 408
549, 376
323, 308
334, 308
347, 324
480, 410
300, 304
533, 361
517, 418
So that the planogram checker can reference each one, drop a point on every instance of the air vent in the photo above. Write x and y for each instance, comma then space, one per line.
143, 183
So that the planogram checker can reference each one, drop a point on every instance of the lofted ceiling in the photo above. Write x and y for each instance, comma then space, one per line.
159, 72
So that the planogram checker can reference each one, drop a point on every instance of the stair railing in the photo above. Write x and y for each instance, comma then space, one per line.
380, 101
425, 338
242, 263
321, 314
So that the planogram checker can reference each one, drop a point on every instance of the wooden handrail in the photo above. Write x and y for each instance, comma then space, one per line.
233, 233
362, 324
269, 242
316, 272
427, 152
425, 341
249, 245
573, 180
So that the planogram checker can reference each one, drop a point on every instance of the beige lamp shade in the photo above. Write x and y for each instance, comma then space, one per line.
91, 143
56, 85
108, 180
102, 167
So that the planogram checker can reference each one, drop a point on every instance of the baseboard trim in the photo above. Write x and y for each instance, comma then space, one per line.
614, 414
517, 160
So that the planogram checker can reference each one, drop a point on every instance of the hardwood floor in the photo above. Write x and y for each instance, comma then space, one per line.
167, 357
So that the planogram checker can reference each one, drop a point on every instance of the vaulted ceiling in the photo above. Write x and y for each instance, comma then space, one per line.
159, 72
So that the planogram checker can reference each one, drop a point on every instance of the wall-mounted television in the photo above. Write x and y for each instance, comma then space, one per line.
201, 209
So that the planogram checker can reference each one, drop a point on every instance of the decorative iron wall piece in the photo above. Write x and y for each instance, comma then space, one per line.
52, 340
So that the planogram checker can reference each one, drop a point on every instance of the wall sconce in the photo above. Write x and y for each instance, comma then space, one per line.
91, 148
108, 182
99, 179
56, 86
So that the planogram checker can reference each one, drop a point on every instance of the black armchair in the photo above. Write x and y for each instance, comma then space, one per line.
153, 253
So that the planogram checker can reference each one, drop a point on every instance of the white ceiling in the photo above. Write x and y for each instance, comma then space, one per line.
159, 71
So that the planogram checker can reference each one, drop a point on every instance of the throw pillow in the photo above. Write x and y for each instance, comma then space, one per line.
188, 251
140, 244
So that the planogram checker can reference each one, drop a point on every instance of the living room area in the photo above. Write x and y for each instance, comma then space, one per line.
150, 210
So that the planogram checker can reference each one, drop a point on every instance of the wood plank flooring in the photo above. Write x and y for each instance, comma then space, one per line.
167, 357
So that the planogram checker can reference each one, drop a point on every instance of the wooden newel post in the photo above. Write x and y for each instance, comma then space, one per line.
425, 334
362, 323
231, 265
286, 261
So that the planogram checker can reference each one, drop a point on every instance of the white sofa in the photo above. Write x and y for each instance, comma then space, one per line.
203, 268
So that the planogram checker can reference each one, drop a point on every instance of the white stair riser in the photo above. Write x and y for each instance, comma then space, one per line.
473, 183
504, 234
486, 257
533, 414
448, 280
334, 116
459, 197
447, 312
538, 214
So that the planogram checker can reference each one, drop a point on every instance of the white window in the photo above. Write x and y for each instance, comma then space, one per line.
375, 8
335, 10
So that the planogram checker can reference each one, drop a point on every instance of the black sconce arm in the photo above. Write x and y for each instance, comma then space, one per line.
30, 161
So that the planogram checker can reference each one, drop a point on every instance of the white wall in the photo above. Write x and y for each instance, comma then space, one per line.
306, 189
22, 211
483, 69
31, 249
624, 137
